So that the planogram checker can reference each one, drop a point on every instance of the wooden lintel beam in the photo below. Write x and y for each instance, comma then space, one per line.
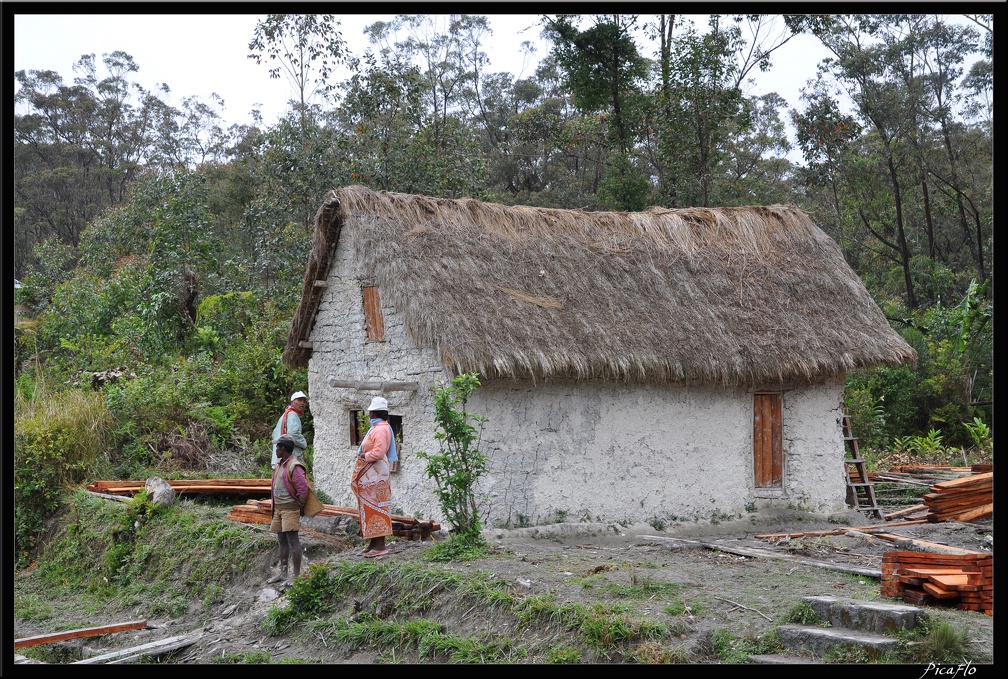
384, 386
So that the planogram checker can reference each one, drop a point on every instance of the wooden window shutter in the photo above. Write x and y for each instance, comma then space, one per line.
372, 314
768, 441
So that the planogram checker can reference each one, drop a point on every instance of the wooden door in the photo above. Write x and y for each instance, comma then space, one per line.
768, 441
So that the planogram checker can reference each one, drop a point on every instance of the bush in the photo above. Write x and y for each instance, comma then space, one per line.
456, 469
58, 436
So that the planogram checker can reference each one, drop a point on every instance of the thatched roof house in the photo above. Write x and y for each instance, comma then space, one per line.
737, 301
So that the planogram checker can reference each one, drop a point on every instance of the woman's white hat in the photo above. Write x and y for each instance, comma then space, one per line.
298, 394
378, 403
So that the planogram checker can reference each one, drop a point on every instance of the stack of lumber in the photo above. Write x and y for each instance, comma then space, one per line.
261, 511
188, 486
965, 499
963, 580
919, 474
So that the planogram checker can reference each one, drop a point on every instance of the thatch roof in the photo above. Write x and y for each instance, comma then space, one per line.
737, 296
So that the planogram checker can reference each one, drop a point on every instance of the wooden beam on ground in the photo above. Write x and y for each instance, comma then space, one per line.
906, 511
109, 496
153, 648
840, 531
766, 554
79, 633
225, 486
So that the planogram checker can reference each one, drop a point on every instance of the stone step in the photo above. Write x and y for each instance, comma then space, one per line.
865, 616
820, 640
779, 659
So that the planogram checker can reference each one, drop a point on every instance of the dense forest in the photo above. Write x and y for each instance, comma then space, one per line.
161, 253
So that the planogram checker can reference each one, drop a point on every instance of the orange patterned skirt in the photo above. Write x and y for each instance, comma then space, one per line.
370, 485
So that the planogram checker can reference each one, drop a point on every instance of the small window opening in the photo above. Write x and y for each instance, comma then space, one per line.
360, 423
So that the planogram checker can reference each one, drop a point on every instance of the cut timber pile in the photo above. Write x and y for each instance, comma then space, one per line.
926, 474
965, 581
261, 511
236, 486
964, 499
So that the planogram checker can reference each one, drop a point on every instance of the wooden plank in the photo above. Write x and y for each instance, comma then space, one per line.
108, 496
246, 518
938, 592
977, 513
153, 648
948, 581
937, 547
79, 633
975, 479
927, 571
906, 511
931, 558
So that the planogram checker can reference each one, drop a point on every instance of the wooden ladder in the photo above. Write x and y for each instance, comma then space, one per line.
860, 490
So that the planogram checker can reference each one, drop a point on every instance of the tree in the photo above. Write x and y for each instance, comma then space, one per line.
402, 115
944, 48
704, 99
602, 67
865, 65
698, 114
900, 72
296, 162
76, 148
306, 48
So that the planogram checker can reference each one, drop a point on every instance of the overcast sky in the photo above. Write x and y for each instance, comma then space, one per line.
201, 54
196, 55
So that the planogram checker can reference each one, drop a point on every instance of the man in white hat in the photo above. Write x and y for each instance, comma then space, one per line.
289, 424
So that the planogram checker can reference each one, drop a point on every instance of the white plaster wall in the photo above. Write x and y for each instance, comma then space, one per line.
566, 450
601, 451
814, 445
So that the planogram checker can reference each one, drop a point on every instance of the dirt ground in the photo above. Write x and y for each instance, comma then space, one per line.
576, 563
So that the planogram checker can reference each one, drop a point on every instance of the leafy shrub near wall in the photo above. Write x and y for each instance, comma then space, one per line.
458, 466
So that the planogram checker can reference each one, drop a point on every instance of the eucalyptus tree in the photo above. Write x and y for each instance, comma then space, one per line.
944, 48
560, 154
700, 114
306, 48
704, 99
391, 141
604, 74
446, 49
864, 64
825, 133
900, 73
191, 135
756, 169
490, 101
76, 148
